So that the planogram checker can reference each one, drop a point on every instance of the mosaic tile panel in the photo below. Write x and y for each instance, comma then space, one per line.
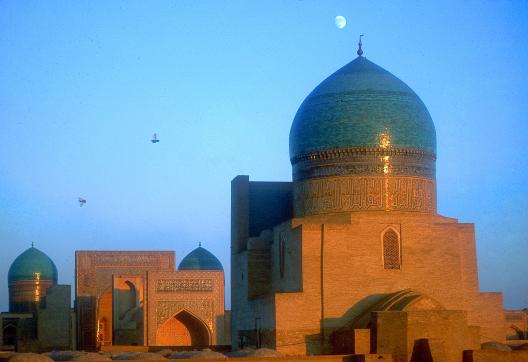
374, 193
357, 103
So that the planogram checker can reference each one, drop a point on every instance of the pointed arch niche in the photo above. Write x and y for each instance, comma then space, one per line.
391, 248
183, 329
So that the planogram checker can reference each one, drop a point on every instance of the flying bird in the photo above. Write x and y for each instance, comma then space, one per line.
154, 138
81, 202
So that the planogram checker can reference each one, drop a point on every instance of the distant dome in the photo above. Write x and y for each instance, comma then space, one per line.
29, 263
354, 106
200, 259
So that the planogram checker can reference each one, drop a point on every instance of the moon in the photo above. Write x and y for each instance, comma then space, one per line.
340, 21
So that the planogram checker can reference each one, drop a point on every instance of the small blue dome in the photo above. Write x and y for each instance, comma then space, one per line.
354, 106
200, 259
29, 263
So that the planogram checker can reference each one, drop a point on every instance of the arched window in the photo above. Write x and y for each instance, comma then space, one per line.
391, 249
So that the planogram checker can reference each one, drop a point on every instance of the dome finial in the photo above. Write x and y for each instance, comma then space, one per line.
199, 244
32, 244
360, 51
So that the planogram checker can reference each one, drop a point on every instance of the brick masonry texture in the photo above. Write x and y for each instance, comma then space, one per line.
333, 266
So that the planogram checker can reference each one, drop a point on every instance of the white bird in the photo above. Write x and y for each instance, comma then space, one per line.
154, 138
81, 202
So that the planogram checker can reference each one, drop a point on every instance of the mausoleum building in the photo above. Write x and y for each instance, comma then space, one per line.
40, 315
352, 255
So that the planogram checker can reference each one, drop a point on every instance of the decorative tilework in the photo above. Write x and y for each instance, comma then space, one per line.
29, 263
353, 106
184, 285
372, 193
202, 308
364, 161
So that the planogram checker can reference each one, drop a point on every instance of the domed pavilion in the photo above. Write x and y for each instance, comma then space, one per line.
29, 276
40, 314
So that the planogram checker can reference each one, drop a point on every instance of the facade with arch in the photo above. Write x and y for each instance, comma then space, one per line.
139, 298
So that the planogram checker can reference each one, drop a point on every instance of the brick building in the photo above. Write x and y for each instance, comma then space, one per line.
352, 256
139, 298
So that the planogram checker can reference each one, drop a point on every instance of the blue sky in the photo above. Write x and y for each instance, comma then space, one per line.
84, 84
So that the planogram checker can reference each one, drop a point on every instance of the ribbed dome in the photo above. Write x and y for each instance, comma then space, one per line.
356, 105
200, 259
30, 262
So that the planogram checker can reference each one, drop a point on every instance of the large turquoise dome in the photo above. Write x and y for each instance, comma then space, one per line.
354, 106
200, 259
29, 263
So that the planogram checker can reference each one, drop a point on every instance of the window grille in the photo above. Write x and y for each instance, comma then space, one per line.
391, 250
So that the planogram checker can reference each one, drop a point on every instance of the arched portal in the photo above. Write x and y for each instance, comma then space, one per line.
10, 335
104, 318
183, 329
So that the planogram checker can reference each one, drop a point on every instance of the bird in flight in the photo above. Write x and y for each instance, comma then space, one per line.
81, 202
154, 138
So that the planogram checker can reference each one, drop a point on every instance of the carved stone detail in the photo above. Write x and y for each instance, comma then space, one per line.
374, 193
184, 285
114, 260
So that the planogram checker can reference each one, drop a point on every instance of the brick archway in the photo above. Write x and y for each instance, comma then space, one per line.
183, 329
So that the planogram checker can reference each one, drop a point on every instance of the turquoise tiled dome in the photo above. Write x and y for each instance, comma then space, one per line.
353, 106
200, 259
30, 262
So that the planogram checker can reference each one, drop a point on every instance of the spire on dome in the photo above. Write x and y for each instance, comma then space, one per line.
360, 51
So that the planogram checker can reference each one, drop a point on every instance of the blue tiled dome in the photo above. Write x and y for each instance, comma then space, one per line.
354, 106
29, 263
200, 259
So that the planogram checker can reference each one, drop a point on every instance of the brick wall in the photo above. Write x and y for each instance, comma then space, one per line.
333, 267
